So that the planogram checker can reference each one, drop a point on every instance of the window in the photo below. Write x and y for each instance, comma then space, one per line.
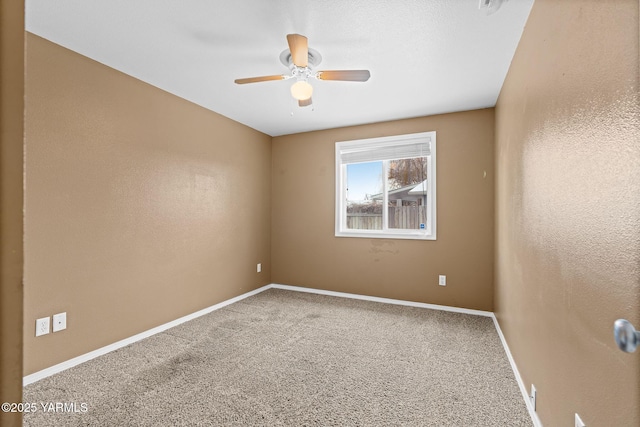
385, 187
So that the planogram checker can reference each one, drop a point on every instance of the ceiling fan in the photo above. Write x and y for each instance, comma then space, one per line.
301, 60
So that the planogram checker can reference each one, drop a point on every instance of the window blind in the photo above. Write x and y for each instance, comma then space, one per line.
367, 151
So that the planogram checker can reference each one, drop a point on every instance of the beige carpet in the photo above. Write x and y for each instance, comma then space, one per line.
283, 358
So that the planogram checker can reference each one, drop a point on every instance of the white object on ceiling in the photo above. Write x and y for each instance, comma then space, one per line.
491, 6
425, 57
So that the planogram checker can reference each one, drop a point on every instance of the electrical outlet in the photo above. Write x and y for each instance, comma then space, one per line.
579, 422
442, 280
533, 396
42, 326
59, 321
259, 268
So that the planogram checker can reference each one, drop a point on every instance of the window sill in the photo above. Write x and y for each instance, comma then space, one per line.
385, 235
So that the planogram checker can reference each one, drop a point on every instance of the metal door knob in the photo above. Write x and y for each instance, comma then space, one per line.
627, 338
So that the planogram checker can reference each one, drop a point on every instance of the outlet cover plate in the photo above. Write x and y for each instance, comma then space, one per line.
442, 280
42, 326
59, 321
259, 268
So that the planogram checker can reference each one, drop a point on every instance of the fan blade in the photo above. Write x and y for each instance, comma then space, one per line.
299, 48
304, 103
259, 79
345, 75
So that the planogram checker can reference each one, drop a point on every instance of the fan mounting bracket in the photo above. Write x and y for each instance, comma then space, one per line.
314, 58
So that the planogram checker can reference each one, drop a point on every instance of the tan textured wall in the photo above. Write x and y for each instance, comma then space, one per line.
11, 171
568, 209
305, 251
140, 207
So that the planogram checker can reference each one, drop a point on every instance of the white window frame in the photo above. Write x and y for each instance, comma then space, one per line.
343, 148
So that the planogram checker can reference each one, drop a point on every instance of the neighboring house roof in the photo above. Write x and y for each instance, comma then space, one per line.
420, 189
408, 192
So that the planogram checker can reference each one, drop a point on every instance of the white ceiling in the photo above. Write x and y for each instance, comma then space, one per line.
425, 56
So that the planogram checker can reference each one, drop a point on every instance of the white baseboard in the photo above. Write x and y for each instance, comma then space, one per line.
534, 416
384, 300
36, 376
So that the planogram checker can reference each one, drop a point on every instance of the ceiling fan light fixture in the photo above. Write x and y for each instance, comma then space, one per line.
301, 61
301, 90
